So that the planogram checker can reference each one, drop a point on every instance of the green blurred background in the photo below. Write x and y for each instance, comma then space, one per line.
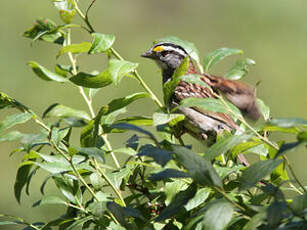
273, 33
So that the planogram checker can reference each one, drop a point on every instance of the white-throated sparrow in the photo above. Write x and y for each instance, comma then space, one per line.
199, 123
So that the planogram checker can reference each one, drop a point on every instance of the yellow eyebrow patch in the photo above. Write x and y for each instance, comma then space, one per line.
158, 49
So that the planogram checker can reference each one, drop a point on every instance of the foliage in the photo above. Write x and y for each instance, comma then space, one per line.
162, 184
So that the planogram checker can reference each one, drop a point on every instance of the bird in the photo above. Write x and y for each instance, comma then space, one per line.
201, 124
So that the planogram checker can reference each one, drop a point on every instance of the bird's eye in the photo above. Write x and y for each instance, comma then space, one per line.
164, 53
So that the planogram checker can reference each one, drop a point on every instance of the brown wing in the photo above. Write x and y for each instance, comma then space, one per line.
186, 90
241, 95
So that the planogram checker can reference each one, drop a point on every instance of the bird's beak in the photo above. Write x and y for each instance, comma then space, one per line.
147, 54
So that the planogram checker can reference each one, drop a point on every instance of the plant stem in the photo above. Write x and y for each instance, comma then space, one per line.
101, 172
293, 173
221, 191
76, 172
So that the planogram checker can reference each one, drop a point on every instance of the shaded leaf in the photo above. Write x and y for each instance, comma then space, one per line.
13, 120
160, 156
167, 174
216, 56
256, 172
299, 203
222, 146
218, 215
177, 203
21, 180
239, 69
134, 128
94, 152
287, 147
75, 48
46, 74
255, 221
11, 136
79, 222
198, 167
97, 181
101, 43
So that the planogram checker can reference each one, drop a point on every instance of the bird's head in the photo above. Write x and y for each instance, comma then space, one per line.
167, 55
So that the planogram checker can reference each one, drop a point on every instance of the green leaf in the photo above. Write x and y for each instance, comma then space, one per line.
177, 203
21, 180
137, 120
299, 203
218, 215
256, 172
194, 79
160, 156
92, 81
240, 69
101, 43
13, 120
94, 152
255, 221
287, 147
69, 188
66, 10
97, 181
189, 47
79, 222
198, 167
134, 128
83, 47
169, 86
265, 110
160, 118
167, 174
199, 198
216, 56
47, 200
288, 122
120, 103
302, 136
210, 104
11, 136
119, 68
46, 30
46, 74
222, 146
62, 111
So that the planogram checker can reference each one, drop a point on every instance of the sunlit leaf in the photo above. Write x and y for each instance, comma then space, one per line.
194, 79
160, 118
218, 215
239, 69
46, 74
47, 200
101, 43
169, 86
222, 146
199, 198
75, 48
288, 122
62, 111
265, 110
119, 68
13, 120
92, 81
210, 104
216, 56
